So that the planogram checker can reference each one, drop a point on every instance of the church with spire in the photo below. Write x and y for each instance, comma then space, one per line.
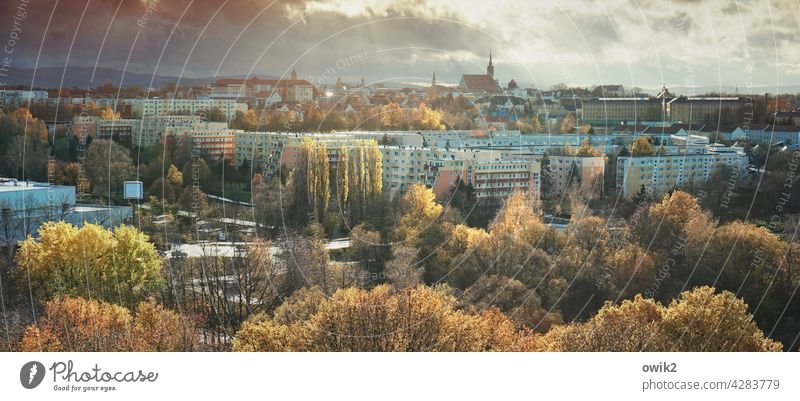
481, 83
439, 90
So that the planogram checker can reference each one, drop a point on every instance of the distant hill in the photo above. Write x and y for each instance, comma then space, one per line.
50, 77
741, 90
755, 90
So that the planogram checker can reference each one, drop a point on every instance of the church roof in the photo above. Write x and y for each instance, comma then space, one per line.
442, 89
479, 83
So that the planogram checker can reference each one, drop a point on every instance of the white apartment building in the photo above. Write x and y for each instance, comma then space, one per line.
151, 128
19, 97
661, 173
161, 107
489, 178
212, 139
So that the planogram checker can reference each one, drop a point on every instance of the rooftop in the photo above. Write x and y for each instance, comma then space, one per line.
13, 185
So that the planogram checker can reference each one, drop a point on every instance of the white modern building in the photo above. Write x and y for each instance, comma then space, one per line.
26, 205
19, 97
659, 174
162, 107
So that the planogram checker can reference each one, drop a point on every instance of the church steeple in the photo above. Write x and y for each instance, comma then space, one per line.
433, 81
294, 75
339, 85
490, 67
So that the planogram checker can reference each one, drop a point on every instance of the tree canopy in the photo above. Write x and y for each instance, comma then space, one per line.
119, 265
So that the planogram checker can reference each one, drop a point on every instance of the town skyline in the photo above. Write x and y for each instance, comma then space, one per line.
685, 44
181, 176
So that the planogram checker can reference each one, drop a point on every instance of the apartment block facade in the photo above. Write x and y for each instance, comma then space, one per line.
162, 107
214, 139
662, 173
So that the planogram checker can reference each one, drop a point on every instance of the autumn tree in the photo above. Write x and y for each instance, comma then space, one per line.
642, 147
300, 306
246, 120
391, 116
634, 325
256, 274
752, 261
418, 210
225, 291
26, 157
119, 266
586, 149
174, 176
74, 174
164, 191
20, 122
196, 170
662, 224
567, 123
107, 113
317, 167
403, 270
416, 319
307, 263
510, 296
512, 247
193, 199
520, 218
83, 325
632, 270
546, 182
703, 320
364, 180
430, 119
342, 179
700, 320
367, 249
108, 164
273, 203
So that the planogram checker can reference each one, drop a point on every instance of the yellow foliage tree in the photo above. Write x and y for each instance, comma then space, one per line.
118, 266
418, 210
642, 147
81, 325
174, 176
391, 116
416, 319
567, 123
430, 119
315, 155
107, 113
586, 149
520, 218
700, 320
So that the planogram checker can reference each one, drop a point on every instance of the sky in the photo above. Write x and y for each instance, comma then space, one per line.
645, 43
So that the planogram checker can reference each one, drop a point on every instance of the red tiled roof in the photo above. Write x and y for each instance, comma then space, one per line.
479, 83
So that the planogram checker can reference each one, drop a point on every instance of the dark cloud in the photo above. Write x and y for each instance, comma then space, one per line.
681, 22
770, 38
733, 8
403, 39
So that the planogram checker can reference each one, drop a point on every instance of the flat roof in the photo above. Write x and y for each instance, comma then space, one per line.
17, 186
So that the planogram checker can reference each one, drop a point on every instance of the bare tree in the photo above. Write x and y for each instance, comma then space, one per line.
401, 271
